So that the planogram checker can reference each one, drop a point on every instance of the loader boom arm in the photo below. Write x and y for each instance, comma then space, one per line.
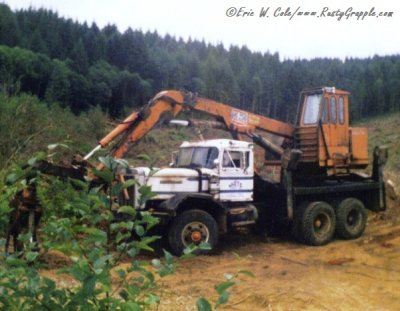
171, 103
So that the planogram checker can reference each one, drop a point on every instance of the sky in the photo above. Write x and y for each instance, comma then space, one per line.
339, 28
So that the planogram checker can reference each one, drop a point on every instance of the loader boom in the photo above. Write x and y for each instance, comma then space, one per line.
322, 132
170, 103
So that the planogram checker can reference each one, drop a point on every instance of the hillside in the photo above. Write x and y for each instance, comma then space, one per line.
384, 130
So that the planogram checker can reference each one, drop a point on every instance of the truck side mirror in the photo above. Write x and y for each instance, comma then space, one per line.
216, 163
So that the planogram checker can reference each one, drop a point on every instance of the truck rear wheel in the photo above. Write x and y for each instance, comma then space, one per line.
297, 221
317, 225
351, 219
193, 227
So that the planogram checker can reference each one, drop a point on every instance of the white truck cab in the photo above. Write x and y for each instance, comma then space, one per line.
207, 190
220, 167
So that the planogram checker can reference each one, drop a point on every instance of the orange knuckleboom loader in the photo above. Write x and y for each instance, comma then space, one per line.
321, 133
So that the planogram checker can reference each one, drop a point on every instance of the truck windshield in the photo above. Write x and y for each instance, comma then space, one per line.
197, 157
311, 110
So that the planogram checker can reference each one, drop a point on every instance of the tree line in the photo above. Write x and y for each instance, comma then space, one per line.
80, 66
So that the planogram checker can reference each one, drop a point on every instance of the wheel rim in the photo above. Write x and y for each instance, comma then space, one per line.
195, 233
322, 224
353, 218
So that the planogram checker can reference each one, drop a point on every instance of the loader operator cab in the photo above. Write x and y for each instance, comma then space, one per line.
325, 107
323, 133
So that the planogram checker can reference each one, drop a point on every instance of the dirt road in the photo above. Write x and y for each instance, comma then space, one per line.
362, 274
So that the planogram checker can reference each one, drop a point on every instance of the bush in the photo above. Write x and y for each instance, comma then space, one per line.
84, 228
88, 226
28, 125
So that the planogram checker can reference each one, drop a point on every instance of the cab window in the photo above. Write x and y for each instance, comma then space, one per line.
325, 111
341, 110
311, 110
333, 110
232, 159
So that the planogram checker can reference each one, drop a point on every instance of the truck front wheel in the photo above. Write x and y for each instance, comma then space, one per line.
193, 227
351, 219
318, 223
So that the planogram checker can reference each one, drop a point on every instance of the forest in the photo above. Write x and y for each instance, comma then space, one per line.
80, 66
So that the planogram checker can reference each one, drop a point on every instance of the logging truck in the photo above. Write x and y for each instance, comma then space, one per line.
212, 186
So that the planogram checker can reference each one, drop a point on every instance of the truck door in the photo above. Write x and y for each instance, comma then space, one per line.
342, 126
334, 141
236, 177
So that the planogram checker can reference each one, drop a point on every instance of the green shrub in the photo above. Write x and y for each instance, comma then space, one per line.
83, 227
28, 125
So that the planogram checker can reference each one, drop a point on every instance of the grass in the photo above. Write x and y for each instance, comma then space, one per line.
385, 130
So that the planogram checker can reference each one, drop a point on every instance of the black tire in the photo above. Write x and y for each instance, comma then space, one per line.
193, 227
297, 222
351, 218
318, 222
